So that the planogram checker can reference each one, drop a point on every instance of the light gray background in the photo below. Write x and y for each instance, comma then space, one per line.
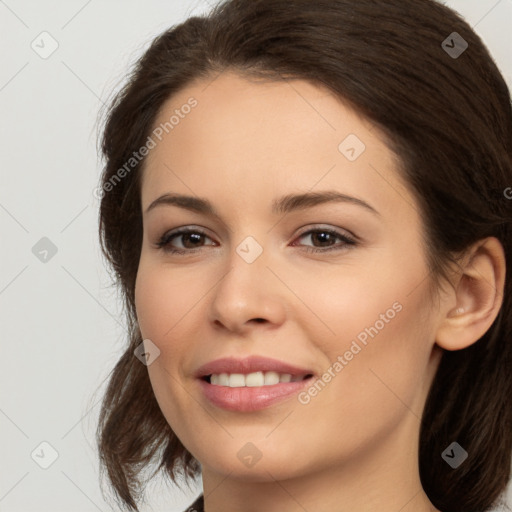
62, 328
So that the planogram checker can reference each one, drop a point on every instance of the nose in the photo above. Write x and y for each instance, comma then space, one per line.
247, 295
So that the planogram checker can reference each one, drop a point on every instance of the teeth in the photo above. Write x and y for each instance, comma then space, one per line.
238, 380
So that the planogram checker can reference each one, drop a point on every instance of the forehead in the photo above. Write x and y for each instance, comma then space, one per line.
249, 136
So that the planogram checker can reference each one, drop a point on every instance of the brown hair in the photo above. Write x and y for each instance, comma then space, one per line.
449, 120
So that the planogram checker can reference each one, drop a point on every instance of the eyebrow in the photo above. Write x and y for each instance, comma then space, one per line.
283, 205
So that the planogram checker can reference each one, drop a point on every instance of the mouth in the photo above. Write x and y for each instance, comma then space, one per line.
238, 392
256, 379
254, 371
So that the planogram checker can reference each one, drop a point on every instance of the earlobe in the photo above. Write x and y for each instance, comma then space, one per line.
479, 296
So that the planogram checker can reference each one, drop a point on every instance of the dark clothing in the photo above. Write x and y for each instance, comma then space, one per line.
197, 506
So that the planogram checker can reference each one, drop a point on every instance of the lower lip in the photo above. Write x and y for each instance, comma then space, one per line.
246, 399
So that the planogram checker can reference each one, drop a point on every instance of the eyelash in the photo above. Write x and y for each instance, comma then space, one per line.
165, 240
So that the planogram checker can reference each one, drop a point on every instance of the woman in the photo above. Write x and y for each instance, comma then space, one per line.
305, 204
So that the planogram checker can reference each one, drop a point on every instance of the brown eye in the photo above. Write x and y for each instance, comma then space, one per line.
190, 240
326, 238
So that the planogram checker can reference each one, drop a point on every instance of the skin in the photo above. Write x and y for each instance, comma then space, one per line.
353, 447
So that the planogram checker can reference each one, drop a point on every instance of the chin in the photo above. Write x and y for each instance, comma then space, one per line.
250, 468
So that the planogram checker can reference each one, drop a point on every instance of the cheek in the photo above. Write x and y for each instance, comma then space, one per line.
383, 363
162, 298
162, 301
378, 327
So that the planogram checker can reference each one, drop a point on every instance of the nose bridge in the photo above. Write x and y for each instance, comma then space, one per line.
248, 290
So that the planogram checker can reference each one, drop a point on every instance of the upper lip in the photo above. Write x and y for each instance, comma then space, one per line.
249, 365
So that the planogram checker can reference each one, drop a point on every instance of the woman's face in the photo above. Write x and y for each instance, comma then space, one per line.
247, 281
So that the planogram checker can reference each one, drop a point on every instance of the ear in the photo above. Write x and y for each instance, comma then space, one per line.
477, 296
